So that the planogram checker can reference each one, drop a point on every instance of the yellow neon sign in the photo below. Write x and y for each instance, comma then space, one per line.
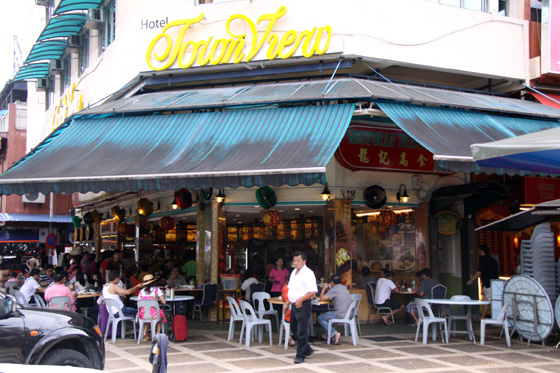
68, 105
223, 50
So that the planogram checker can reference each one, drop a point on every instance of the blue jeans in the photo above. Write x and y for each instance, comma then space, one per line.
128, 312
323, 320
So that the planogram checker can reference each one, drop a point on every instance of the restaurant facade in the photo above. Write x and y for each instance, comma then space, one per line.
243, 131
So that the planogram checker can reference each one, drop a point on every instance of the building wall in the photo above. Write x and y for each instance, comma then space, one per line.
409, 33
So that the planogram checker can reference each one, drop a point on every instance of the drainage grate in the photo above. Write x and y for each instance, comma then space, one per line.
385, 338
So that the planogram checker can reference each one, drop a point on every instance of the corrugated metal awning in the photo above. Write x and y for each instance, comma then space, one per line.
318, 90
32, 71
47, 50
63, 26
35, 218
74, 5
196, 150
449, 133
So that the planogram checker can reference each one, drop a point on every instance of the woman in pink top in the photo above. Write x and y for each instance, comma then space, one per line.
279, 277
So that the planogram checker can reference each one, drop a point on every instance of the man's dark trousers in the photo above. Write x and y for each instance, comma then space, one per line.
299, 325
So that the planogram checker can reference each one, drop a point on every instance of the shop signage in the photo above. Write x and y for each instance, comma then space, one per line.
168, 48
108, 227
551, 42
448, 222
70, 103
377, 148
541, 189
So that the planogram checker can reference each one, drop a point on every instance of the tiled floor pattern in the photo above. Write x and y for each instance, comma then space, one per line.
209, 351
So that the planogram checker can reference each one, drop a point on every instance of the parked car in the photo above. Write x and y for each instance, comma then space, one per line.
46, 336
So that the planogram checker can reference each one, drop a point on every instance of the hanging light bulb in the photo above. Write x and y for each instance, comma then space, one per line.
326, 193
404, 196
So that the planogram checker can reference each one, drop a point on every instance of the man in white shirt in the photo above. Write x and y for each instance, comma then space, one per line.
301, 288
31, 285
246, 285
385, 286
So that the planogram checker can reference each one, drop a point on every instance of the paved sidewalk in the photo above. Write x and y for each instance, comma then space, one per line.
381, 349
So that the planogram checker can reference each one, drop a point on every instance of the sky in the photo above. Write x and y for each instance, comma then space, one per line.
25, 20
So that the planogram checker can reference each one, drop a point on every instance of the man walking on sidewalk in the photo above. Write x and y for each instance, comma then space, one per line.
301, 288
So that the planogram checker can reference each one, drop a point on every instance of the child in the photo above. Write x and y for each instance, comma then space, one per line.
151, 292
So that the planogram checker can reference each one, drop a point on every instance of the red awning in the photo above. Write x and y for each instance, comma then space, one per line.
547, 101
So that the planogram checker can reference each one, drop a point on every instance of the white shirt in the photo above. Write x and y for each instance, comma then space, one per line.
29, 287
301, 283
114, 297
246, 287
383, 290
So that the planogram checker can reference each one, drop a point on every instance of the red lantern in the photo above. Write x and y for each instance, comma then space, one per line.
167, 223
271, 218
388, 217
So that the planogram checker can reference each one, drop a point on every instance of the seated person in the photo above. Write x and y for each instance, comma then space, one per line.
249, 280
31, 285
424, 291
46, 277
112, 291
341, 300
385, 286
365, 277
175, 278
59, 289
151, 292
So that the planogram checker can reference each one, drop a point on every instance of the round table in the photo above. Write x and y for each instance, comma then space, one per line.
177, 298
88, 295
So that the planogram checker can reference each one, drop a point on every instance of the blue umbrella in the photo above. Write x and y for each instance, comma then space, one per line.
538, 152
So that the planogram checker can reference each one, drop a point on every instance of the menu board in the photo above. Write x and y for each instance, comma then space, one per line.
394, 247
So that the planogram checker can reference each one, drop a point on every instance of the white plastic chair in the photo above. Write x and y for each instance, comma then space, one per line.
252, 320
501, 320
62, 302
259, 298
20, 298
349, 320
114, 322
39, 302
11, 286
425, 318
284, 327
234, 316
148, 304
456, 314
358, 298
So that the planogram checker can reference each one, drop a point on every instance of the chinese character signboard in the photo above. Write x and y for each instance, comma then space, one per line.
541, 189
377, 148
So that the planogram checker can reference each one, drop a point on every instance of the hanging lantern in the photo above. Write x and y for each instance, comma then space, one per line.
145, 206
388, 217
167, 223
271, 218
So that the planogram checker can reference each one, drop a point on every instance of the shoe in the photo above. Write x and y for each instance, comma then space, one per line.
299, 360
310, 352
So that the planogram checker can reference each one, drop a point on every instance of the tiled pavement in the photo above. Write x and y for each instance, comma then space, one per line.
381, 349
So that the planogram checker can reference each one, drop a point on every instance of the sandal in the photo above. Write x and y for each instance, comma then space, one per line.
334, 342
146, 339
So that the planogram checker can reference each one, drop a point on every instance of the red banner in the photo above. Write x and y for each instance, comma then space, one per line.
377, 148
541, 189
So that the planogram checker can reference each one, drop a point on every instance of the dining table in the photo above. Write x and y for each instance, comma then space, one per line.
467, 303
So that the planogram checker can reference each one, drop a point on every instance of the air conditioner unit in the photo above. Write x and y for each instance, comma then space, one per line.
42, 84
94, 19
33, 198
74, 44
42, 2
56, 67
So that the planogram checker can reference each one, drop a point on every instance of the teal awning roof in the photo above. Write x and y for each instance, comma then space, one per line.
32, 71
63, 26
449, 133
47, 50
73, 5
195, 150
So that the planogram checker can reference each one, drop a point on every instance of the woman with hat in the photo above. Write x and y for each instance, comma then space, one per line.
151, 292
